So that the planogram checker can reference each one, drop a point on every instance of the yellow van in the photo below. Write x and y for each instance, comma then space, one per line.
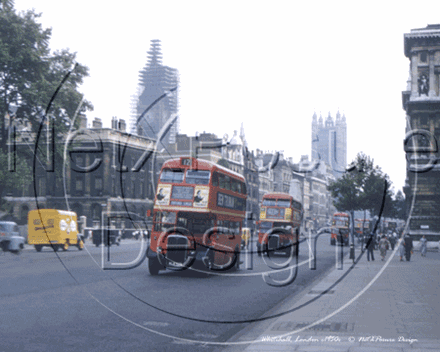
53, 228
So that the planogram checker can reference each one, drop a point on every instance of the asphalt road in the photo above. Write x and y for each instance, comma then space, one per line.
64, 301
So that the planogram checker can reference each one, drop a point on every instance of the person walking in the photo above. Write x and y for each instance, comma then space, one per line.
370, 247
392, 240
401, 250
408, 243
384, 245
423, 247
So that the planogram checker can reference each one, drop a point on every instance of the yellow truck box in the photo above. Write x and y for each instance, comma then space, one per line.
53, 228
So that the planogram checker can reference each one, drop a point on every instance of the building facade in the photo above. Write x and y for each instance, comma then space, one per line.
421, 102
104, 171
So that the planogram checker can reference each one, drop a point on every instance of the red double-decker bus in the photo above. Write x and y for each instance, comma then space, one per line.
197, 216
340, 229
358, 227
279, 211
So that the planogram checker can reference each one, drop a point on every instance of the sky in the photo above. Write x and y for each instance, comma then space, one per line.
268, 65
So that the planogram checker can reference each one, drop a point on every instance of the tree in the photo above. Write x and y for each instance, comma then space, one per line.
399, 205
30, 74
363, 187
35, 84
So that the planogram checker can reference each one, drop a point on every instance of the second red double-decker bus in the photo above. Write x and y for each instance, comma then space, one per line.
198, 213
279, 210
358, 227
340, 228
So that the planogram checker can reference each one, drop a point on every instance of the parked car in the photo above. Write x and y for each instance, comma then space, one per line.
10, 240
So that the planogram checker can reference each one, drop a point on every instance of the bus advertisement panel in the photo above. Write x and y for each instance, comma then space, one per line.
197, 216
279, 211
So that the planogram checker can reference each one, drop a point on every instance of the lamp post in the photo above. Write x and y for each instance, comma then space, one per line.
352, 235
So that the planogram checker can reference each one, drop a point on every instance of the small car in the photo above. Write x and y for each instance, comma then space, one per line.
10, 239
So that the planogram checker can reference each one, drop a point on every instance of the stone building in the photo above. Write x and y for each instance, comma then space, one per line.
316, 199
421, 102
105, 170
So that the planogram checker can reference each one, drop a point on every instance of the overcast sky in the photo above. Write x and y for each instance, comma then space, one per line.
267, 66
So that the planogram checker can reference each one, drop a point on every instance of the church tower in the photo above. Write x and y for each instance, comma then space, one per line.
421, 102
329, 142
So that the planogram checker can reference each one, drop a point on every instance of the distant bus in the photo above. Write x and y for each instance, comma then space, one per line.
340, 229
197, 201
358, 227
279, 210
362, 227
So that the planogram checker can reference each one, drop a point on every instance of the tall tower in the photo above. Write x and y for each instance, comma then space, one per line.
155, 80
421, 102
329, 142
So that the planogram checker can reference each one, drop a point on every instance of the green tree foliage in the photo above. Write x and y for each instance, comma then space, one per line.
35, 85
399, 205
364, 187
30, 74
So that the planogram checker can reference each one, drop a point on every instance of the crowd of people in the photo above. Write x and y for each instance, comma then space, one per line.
385, 242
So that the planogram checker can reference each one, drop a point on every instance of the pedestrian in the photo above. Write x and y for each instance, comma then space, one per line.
401, 250
370, 247
408, 243
384, 245
423, 247
392, 242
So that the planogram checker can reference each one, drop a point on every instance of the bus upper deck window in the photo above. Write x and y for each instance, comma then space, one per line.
283, 203
269, 202
215, 179
172, 175
197, 177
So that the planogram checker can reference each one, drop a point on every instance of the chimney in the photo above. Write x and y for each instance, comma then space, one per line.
114, 123
122, 125
82, 121
97, 123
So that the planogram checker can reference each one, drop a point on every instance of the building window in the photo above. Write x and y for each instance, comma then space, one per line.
423, 56
79, 184
42, 186
98, 184
79, 160
141, 189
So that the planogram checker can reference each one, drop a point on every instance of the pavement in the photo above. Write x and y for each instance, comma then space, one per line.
365, 307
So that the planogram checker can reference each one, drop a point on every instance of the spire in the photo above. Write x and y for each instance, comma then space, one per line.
242, 132
314, 118
329, 120
338, 118
320, 119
